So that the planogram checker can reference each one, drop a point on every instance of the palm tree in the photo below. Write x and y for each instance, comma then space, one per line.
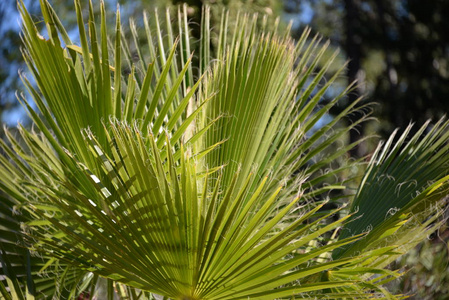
209, 181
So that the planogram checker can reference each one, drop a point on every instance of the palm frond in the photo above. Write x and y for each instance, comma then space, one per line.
405, 184
159, 227
193, 177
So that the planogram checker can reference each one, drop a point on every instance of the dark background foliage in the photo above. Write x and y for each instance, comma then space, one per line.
399, 48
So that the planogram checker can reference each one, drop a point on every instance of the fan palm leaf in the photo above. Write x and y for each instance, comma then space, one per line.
413, 175
177, 243
198, 181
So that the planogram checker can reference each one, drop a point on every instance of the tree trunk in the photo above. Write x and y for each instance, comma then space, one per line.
354, 53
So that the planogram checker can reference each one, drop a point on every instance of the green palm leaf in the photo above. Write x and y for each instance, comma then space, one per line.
404, 185
201, 184
177, 243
